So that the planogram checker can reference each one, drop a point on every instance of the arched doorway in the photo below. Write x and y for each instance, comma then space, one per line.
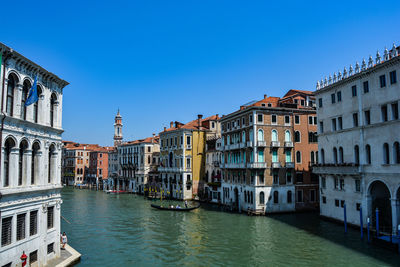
380, 199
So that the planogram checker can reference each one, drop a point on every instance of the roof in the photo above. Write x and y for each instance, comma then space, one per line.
294, 92
147, 140
70, 145
192, 125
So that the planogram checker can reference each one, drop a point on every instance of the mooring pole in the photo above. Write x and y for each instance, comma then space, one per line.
361, 223
345, 218
368, 228
377, 222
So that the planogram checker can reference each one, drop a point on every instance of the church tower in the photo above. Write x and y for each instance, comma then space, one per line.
118, 129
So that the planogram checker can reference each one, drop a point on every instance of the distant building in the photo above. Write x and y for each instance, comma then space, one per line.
182, 156
30, 175
98, 167
213, 175
359, 159
268, 147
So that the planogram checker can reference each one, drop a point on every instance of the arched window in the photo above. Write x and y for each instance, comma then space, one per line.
251, 136
322, 156
262, 198
368, 154
276, 197
335, 155
356, 155
50, 164
297, 137
35, 162
396, 153
274, 155
260, 135
25, 90
21, 162
9, 144
289, 196
340, 154
12, 81
243, 136
36, 106
386, 156
287, 136
274, 135
298, 157
53, 101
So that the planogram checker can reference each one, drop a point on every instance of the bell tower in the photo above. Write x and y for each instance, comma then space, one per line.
118, 129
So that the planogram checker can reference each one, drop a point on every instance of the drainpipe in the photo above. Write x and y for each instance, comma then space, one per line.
7, 55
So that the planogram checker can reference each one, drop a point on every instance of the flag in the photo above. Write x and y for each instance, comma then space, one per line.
32, 95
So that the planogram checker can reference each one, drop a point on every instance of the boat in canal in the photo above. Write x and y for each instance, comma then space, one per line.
160, 207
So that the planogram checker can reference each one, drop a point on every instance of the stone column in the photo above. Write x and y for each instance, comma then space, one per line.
13, 163
39, 168
17, 101
26, 177
42, 114
393, 203
54, 168
5, 96
55, 115
2, 168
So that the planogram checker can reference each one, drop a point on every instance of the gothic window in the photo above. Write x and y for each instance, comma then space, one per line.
51, 166
274, 136
21, 162
287, 136
368, 154
9, 144
260, 135
396, 153
297, 136
386, 156
262, 198
10, 94
53, 101
335, 159
34, 163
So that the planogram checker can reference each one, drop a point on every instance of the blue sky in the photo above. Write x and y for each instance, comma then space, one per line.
161, 61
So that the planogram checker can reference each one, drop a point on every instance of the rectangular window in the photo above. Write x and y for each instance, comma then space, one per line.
320, 102
324, 200
339, 96
188, 163
188, 140
333, 98
333, 125
299, 196
21, 226
297, 119
289, 177
315, 120
251, 118
312, 195
287, 119
50, 217
259, 117
336, 183
354, 90
276, 178
384, 113
323, 182
367, 115
342, 203
50, 248
341, 184
393, 78
395, 111
337, 202
355, 119
32, 257
321, 126
358, 205
382, 81
6, 231
366, 87
302, 102
310, 120
358, 185
299, 177
273, 119
340, 123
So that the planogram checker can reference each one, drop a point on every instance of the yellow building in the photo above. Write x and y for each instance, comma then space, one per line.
182, 159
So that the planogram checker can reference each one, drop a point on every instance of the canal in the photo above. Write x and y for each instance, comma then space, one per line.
123, 230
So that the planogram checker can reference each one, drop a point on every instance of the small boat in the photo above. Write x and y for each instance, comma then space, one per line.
116, 192
174, 208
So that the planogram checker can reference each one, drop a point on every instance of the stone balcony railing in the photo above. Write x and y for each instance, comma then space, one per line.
257, 165
289, 165
275, 144
261, 143
288, 144
275, 165
345, 169
249, 143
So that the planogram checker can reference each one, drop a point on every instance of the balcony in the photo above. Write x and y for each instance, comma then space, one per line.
275, 165
261, 143
242, 145
249, 143
275, 144
234, 146
289, 165
257, 165
234, 165
338, 169
216, 163
288, 144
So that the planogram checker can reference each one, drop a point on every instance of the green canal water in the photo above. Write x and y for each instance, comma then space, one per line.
123, 230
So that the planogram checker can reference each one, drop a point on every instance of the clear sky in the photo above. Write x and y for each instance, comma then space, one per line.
161, 61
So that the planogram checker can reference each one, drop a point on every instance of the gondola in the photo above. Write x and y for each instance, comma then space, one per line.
174, 209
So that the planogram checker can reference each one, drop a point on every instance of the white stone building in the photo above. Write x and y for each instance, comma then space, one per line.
30, 176
359, 163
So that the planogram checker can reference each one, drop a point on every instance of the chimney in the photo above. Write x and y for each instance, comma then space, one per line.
199, 117
165, 129
265, 96
171, 124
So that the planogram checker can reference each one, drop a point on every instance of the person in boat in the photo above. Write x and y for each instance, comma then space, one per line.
178, 207
186, 204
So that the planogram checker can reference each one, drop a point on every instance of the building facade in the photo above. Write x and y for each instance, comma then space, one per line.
213, 176
30, 176
182, 157
265, 160
359, 162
